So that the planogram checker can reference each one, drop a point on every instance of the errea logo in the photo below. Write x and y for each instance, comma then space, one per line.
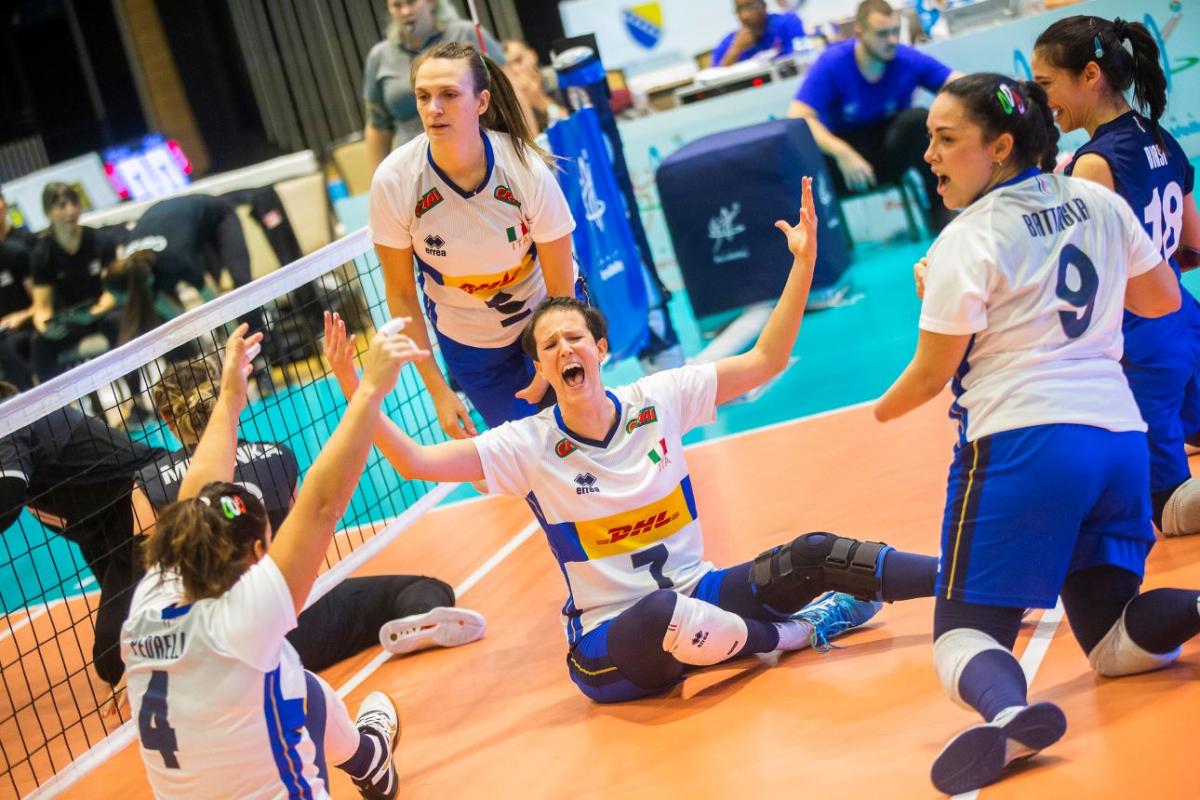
435, 245
586, 483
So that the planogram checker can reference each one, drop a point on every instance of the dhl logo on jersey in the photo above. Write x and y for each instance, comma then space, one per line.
633, 530
484, 286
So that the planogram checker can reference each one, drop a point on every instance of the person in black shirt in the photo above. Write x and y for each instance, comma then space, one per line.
16, 307
402, 613
69, 299
177, 240
76, 474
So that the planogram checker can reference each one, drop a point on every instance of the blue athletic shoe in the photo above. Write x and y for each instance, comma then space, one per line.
978, 755
833, 614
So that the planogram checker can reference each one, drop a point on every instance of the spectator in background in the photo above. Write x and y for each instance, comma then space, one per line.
416, 26
857, 100
534, 86
760, 31
16, 307
177, 240
69, 299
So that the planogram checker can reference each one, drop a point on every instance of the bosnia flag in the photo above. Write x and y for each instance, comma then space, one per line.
644, 23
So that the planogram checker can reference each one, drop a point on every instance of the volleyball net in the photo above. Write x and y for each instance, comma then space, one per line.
57, 716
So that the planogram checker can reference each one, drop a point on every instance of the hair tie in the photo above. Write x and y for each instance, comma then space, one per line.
1120, 29
232, 506
1010, 100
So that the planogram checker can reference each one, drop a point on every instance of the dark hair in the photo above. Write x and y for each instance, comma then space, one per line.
1002, 105
206, 539
7, 390
134, 275
187, 394
504, 111
56, 191
597, 325
1072, 43
868, 7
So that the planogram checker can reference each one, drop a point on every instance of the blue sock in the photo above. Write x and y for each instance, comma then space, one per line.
991, 682
366, 757
904, 576
1162, 619
761, 637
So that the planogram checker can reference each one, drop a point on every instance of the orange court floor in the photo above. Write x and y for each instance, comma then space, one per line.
501, 719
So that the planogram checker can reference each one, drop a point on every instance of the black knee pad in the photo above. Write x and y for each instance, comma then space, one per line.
788, 577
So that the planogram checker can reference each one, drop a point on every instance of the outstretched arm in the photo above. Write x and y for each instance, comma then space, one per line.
769, 356
454, 461
214, 456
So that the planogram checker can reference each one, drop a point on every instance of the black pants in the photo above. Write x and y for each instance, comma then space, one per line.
16, 357
227, 250
347, 620
891, 148
46, 351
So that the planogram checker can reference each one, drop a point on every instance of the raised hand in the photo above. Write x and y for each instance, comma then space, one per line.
382, 362
802, 237
240, 350
340, 349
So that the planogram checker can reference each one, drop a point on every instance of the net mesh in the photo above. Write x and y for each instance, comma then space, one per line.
73, 444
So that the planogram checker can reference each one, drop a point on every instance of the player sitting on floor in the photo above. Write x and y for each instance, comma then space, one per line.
223, 706
607, 478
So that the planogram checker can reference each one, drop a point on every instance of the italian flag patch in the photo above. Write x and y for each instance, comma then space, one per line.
516, 233
658, 455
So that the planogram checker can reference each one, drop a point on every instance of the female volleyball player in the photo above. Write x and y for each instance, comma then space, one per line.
222, 705
403, 613
1085, 68
474, 202
1049, 489
607, 478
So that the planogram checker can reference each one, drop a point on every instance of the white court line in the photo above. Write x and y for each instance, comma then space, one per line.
1031, 659
38, 611
475, 577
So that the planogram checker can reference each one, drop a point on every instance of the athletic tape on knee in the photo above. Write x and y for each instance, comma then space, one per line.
702, 634
1117, 654
1181, 515
953, 650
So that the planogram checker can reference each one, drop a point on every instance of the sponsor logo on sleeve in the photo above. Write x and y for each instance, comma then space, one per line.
644, 417
505, 195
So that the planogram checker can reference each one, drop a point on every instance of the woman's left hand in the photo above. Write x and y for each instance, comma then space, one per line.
240, 350
802, 237
535, 391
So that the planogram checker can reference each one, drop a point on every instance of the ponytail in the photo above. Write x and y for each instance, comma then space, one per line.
1073, 42
207, 540
134, 277
504, 111
187, 395
1001, 105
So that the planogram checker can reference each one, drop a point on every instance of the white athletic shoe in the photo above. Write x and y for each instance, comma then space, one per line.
377, 713
440, 627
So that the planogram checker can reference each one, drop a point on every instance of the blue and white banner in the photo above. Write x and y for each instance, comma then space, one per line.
604, 246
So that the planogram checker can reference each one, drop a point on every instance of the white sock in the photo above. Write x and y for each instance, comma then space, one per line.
1006, 714
793, 634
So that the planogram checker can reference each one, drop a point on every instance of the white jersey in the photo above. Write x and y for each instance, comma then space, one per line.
476, 250
619, 515
217, 693
1036, 271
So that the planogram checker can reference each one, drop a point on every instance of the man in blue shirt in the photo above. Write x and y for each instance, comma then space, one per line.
760, 31
857, 100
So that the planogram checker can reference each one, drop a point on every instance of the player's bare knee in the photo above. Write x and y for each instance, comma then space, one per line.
1117, 654
1181, 515
789, 576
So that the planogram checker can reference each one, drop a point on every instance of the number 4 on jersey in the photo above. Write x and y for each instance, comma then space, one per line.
157, 734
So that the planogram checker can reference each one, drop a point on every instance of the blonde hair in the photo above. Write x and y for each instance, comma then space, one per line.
186, 396
443, 12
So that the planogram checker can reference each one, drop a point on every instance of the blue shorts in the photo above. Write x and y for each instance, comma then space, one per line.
1025, 508
1162, 365
597, 677
490, 376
